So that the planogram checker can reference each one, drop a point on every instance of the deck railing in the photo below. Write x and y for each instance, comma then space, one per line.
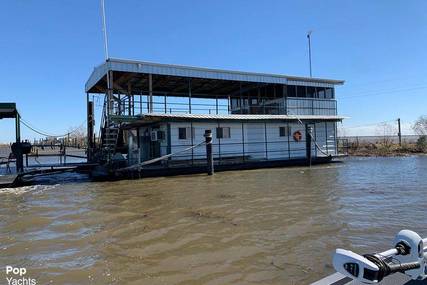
185, 105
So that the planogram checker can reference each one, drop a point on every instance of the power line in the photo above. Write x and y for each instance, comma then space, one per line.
43, 133
370, 124
376, 93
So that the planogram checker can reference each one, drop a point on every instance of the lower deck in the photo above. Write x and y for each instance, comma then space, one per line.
234, 143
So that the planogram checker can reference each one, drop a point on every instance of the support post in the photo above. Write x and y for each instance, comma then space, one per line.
150, 93
18, 153
209, 153
309, 132
400, 132
189, 95
90, 127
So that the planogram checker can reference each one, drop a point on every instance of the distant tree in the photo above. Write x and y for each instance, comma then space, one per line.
420, 126
77, 136
386, 131
422, 143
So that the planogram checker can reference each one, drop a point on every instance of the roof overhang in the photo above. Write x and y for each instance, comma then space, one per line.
135, 73
147, 119
8, 110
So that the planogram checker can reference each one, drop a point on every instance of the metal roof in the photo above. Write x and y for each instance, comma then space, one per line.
154, 117
8, 110
124, 65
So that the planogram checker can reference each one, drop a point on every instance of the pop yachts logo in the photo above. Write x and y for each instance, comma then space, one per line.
16, 276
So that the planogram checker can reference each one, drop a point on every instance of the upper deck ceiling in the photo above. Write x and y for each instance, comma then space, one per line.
132, 76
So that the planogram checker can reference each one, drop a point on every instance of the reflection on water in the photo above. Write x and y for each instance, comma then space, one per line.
270, 226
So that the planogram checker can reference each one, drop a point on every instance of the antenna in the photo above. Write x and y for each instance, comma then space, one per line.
104, 29
309, 50
109, 91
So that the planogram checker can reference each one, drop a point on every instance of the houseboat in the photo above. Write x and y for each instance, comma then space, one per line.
152, 110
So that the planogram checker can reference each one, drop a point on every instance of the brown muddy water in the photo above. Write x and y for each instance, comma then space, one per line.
269, 226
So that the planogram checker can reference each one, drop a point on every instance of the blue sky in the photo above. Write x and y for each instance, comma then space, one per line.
49, 48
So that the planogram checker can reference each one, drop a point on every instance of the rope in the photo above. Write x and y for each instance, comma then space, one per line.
151, 161
45, 133
313, 139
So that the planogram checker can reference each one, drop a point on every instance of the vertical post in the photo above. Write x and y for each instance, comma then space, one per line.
166, 103
265, 140
90, 126
243, 141
109, 95
327, 137
216, 104
309, 131
130, 97
209, 153
18, 155
219, 142
189, 95
138, 142
309, 50
400, 132
140, 103
192, 142
229, 104
289, 141
150, 93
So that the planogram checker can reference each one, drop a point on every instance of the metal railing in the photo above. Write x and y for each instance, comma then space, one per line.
182, 105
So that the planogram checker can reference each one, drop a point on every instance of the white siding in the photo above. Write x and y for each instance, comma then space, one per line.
254, 136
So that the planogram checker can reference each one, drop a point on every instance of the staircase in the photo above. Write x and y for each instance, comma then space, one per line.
109, 134
109, 141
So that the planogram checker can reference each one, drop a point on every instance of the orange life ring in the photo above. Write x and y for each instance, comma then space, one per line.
297, 136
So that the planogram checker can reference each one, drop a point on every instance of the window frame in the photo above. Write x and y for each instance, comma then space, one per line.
185, 133
220, 134
286, 132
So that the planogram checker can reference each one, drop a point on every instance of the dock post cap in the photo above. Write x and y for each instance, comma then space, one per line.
208, 133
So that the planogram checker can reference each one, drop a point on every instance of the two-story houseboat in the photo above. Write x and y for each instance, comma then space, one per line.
151, 110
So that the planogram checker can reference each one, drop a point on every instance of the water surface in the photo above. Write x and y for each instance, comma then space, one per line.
269, 226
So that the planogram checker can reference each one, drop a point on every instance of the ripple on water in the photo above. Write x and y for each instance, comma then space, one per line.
270, 226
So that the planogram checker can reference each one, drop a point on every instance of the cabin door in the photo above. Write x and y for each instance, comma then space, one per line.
313, 140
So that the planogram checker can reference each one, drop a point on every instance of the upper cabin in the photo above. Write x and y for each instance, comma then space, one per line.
139, 88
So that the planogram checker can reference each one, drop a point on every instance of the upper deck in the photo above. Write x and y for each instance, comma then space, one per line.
142, 87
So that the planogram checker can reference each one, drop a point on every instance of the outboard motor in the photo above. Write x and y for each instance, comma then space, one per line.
408, 256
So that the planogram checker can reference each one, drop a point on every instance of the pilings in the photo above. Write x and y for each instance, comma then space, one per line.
309, 132
209, 152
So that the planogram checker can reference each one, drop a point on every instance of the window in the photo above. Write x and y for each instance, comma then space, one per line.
160, 135
329, 94
284, 131
311, 92
183, 133
301, 92
320, 92
223, 133
292, 91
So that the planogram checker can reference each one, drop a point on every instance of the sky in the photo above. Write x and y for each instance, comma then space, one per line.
49, 48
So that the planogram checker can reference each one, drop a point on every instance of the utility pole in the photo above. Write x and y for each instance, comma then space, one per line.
309, 50
400, 132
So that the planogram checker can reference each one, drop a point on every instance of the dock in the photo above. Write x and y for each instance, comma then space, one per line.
14, 180
10, 180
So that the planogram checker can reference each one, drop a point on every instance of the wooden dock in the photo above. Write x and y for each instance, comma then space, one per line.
10, 180
14, 180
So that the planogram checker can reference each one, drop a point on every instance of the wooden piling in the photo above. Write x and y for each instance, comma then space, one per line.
209, 152
309, 132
